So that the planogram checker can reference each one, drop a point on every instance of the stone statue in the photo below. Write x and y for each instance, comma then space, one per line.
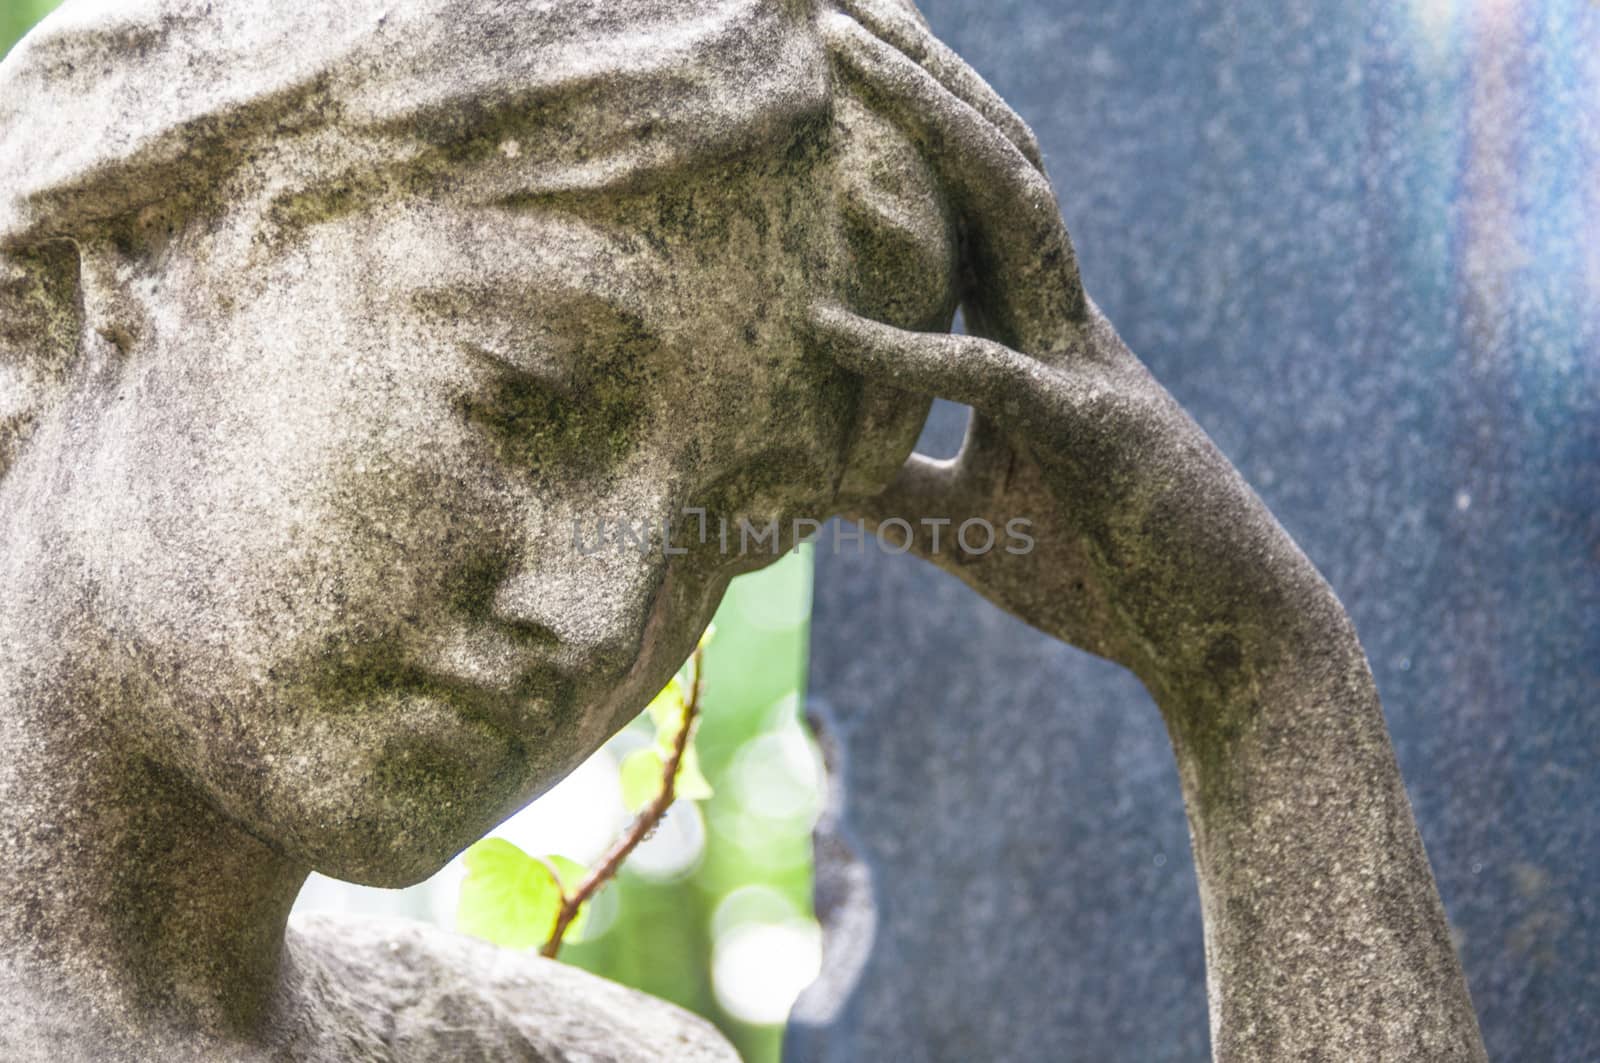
322, 325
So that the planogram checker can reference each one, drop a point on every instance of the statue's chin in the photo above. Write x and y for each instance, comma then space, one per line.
387, 809
401, 846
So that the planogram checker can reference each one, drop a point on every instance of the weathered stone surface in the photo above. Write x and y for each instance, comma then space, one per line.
395, 989
330, 328
442, 996
323, 326
1338, 234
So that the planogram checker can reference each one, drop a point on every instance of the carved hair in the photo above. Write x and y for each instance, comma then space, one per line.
503, 101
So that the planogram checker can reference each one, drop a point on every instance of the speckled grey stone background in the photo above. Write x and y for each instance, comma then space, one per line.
1361, 242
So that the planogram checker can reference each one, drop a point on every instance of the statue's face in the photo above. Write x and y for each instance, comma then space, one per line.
328, 511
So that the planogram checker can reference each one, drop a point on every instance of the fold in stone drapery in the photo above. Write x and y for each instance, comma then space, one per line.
539, 97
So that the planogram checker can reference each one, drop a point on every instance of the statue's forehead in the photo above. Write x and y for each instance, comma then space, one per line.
163, 94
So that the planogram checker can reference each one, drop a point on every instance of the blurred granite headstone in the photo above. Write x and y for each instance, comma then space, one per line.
1361, 243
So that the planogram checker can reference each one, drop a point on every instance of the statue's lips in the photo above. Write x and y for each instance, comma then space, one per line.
514, 697
516, 707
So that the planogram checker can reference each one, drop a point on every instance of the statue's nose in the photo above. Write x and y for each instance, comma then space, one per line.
591, 601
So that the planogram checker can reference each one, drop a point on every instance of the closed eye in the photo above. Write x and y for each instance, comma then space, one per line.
559, 375
544, 425
548, 331
529, 372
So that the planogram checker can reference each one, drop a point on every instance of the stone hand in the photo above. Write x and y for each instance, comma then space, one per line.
1149, 548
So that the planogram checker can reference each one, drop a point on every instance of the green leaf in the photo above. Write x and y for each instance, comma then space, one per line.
641, 778
666, 710
689, 668
667, 707
571, 875
508, 897
691, 785
685, 676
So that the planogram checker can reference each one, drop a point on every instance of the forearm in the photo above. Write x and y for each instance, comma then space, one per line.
1325, 936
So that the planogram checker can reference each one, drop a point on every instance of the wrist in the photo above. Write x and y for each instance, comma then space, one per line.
1276, 640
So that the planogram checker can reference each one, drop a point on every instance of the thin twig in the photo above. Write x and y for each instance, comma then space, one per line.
648, 819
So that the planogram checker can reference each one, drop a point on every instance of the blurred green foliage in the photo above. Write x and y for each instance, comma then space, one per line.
18, 16
753, 868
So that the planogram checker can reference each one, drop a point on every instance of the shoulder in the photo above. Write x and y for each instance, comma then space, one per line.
424, 993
